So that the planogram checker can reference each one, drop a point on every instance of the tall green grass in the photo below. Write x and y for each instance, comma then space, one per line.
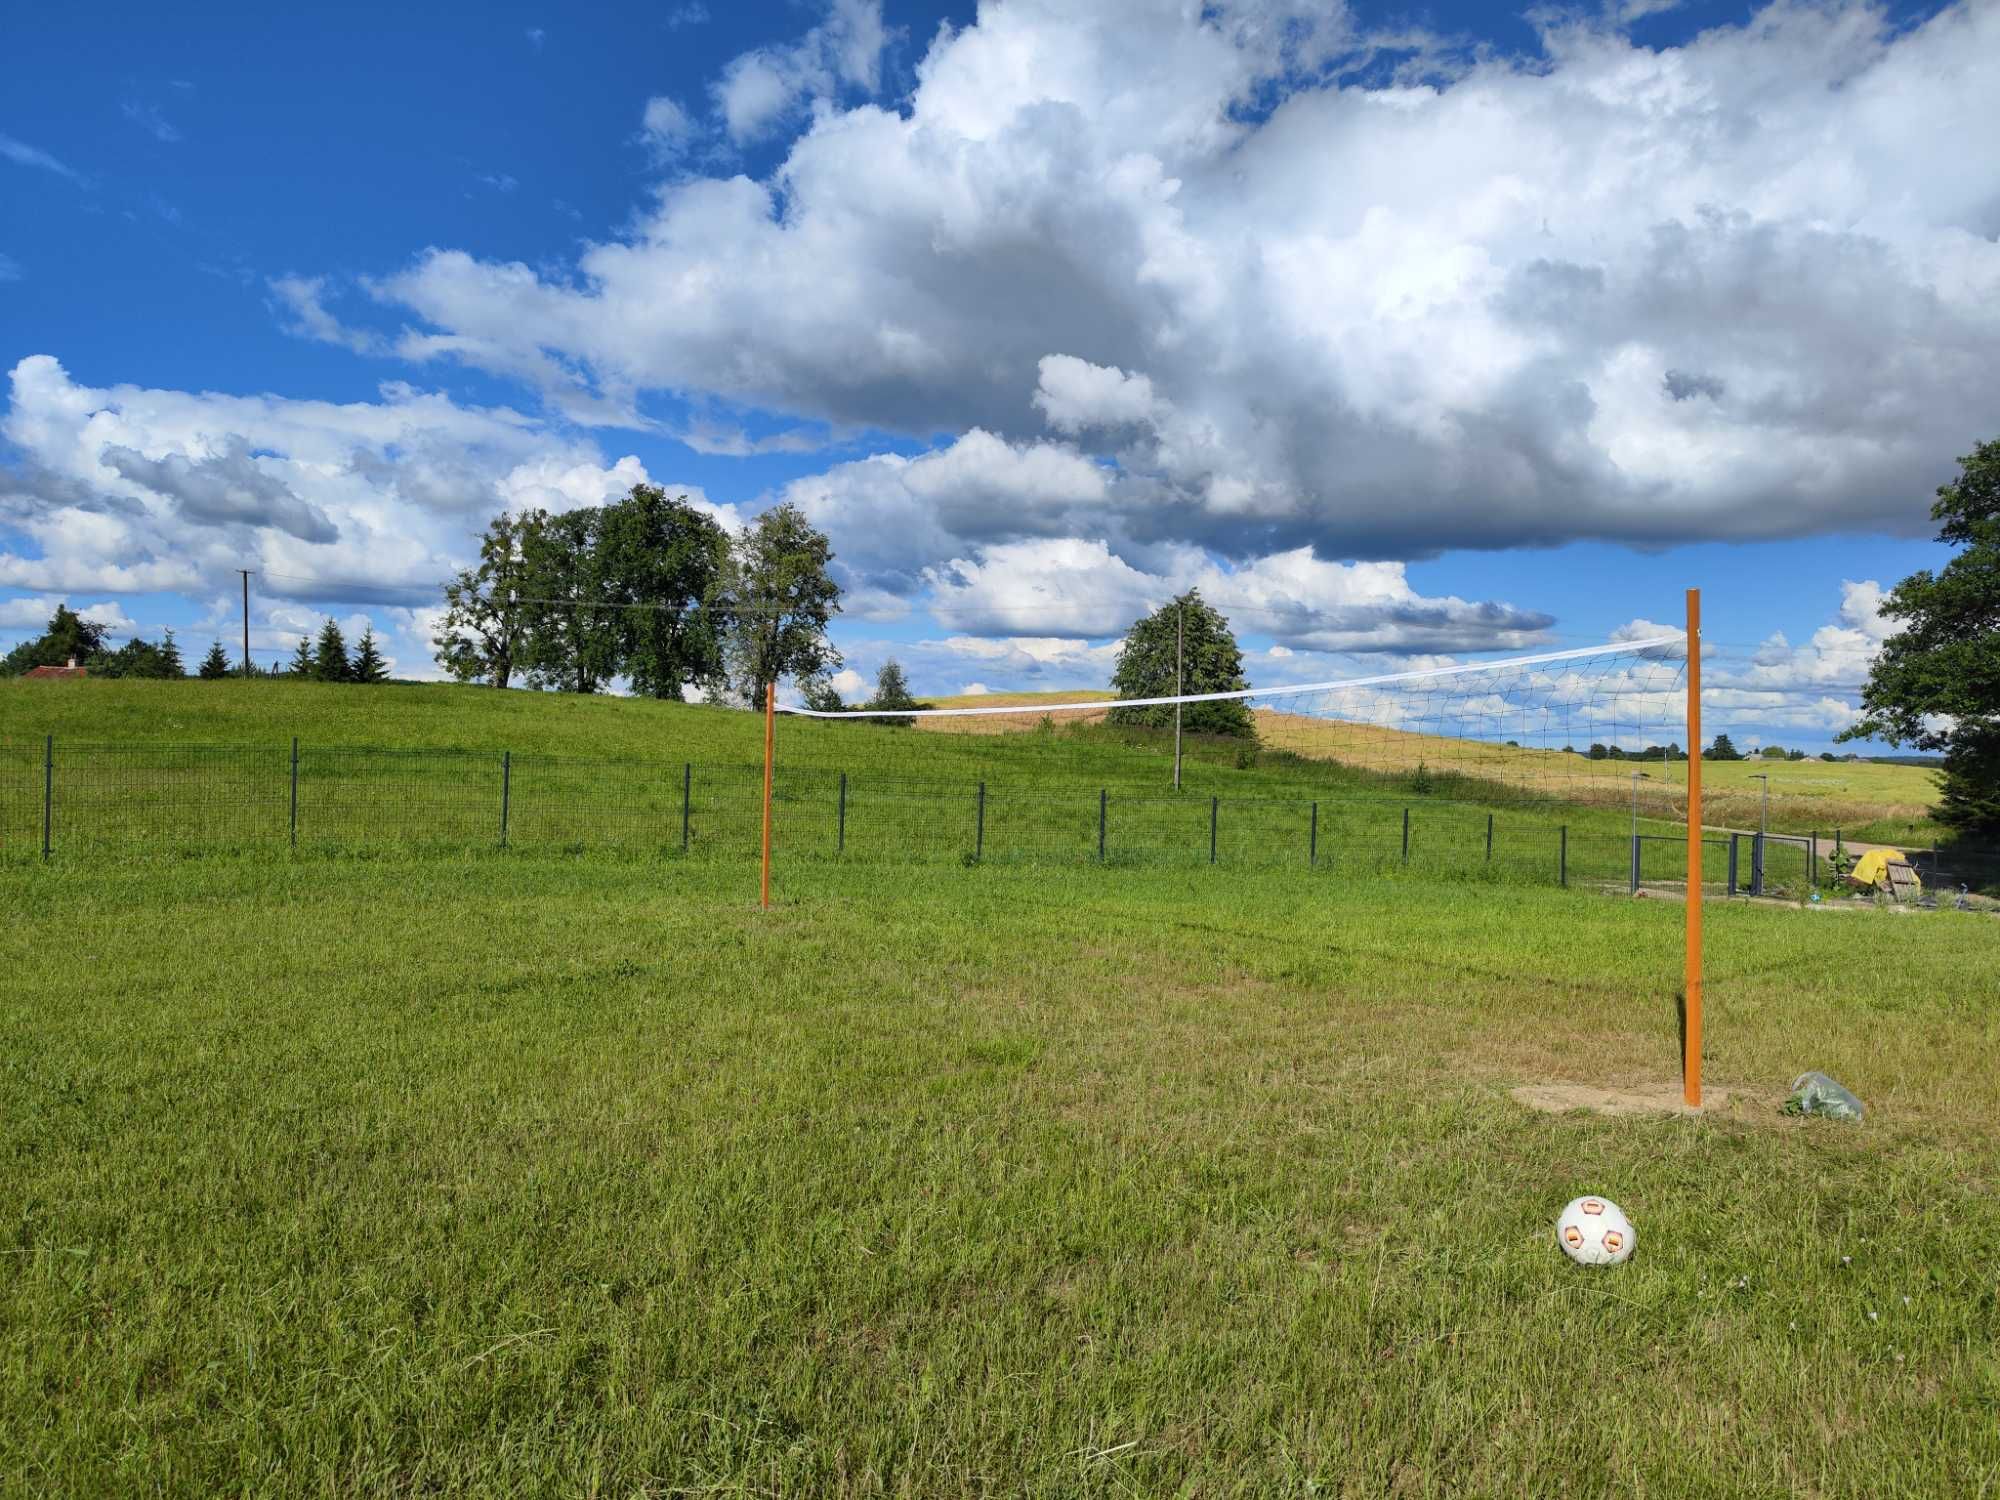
523, 1174
144, 767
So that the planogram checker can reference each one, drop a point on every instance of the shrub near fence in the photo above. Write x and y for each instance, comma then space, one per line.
83, 800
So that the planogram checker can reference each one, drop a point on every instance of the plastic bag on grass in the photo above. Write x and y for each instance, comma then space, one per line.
1817, 1094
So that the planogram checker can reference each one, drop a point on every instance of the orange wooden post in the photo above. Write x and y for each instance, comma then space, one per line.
1691, 1028
770, 738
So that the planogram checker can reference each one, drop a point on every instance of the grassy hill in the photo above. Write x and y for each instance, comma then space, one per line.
124, 760
1867, 799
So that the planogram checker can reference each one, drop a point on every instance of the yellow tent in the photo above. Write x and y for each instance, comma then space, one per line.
1872, 869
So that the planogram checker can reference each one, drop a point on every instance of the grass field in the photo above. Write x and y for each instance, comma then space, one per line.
195, 766
1869, 801
525, 1174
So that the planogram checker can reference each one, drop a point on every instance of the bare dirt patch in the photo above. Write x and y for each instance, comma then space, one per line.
1652, 1099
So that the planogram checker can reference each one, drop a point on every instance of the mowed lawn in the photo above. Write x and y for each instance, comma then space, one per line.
542, 1175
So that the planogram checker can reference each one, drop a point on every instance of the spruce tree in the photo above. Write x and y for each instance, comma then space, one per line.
302, 658
368, 664
330, 656
215, 665
171, 664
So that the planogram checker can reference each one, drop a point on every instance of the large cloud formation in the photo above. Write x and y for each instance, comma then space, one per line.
1235, 295
1747, 287
138, 490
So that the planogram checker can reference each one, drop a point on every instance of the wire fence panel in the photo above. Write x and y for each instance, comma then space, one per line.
554, 802
806, 813
165, 798
353, 798
910, 819
726, 810
105, 798
1261, 831
20, 801
1025, 826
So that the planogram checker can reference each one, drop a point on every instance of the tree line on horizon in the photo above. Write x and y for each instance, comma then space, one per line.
647, 589
69, 637
652, 591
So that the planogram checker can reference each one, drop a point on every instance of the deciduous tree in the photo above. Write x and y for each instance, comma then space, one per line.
479, 638
779, 599
1936, 684
1211, 662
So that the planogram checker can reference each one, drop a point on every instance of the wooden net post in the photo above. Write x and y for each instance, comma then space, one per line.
770, 741
1691, 992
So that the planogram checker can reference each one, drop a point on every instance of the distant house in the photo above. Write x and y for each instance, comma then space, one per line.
72, 670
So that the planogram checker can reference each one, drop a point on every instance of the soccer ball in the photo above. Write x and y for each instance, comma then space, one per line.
1595, 1232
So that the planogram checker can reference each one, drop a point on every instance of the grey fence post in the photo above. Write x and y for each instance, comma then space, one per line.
979, 831
1635, 864
506, 791
840, 830
1312, 840
295, 792
48, 791
1732, 864
687, 799
1406, 833
1562, 856
1812, 859
1103, 800
1489, 838
1756, 864
1214, 807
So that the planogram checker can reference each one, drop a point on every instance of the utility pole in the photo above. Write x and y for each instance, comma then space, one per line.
246, 620
1180, 640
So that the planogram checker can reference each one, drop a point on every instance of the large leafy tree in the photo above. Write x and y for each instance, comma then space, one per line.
663, 561
570, 631
480, 637
779, 599
892, 694
1211, 662
68, 637
1936, 684
137, 658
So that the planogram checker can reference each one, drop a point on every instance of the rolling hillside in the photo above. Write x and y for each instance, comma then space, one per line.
1866, 800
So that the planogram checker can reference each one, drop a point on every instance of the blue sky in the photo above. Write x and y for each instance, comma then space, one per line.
1410, 332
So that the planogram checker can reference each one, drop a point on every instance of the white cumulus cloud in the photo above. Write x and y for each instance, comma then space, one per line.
1744, 287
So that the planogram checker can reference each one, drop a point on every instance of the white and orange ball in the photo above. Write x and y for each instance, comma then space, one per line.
1595, 1232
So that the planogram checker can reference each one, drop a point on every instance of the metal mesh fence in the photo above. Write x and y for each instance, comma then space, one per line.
100, 799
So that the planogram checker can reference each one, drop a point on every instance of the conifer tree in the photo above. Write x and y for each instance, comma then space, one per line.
302, 658
330, 662
368, 664
215, 665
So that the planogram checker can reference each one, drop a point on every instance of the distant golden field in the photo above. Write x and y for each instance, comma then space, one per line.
1804, 794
